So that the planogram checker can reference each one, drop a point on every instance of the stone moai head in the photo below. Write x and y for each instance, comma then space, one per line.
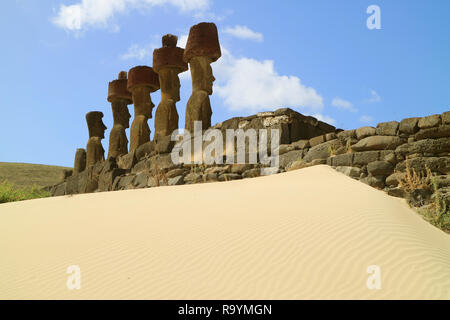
168, 63
142, 81
202, 49
95, 124
120, 98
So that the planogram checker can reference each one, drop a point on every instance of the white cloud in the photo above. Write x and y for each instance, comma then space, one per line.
253, 85
366, 119
374, 97
243, 32
136, 52
87, 13
343, 104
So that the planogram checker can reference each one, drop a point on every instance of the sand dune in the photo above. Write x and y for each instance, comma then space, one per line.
306, 234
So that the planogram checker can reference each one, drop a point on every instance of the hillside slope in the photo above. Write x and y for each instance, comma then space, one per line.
27, 174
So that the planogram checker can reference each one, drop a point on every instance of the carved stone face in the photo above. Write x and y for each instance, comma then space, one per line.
143, 104
98, 129
202, 75
170, 84
124, 117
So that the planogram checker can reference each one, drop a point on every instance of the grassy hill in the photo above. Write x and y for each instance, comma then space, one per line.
25, 175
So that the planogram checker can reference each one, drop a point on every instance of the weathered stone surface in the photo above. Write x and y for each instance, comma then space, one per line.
164, 162
145, 150
433, 133
164, 144
440, 165
141, 166
365, 132
65, 173
94, 149
287, 158
229, 177
240, 168
80, 161
364, 158
140, 181
124, 182
175, 172
442, 181
409, 125
380, 168
317, 140
387, 128
284, 148
430, 121
389, 156
219, 170
317, 162
322, 151
210, 177
446, 117
392, 180
353, 172
176, 181
378, 143
127, 161
301, 144
107, 179
93, 176
431, 146
72, 185
346, 134
396, 192
330, 136
193, 178
252, 173
375, 182
342, 160
59, 190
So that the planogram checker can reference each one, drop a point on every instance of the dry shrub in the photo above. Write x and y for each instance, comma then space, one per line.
413, 180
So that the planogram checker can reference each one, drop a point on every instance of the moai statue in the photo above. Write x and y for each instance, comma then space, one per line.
168, 63
120, 98
94, 150
142, 80
80, 161
202, 49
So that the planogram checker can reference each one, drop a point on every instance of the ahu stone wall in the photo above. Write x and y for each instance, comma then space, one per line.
376, 156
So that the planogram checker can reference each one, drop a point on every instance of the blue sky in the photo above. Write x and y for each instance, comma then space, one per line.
317, 57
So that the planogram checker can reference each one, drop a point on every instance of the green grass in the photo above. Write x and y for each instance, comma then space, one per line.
25, 175
10, 193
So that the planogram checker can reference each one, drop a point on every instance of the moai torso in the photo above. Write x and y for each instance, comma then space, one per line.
94, 149
80, 161
202, 49
166, 118
142, 81
120, 98
198, 108
168, 63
